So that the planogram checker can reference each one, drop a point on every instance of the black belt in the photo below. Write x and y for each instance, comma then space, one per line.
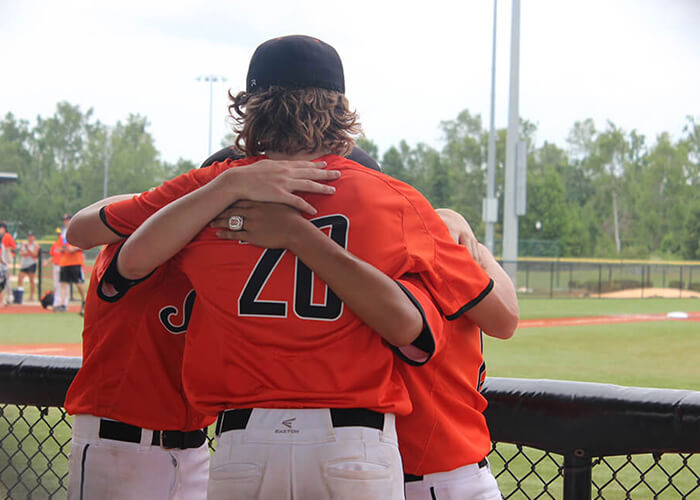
410, 478
119, 431
340, 417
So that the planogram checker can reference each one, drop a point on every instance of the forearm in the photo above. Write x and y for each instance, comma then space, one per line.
172, 227
87, 230
503, 300
370, 294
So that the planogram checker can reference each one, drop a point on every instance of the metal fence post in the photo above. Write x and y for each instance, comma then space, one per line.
600, 279
642, 288
577, 476
39, 273
551, 280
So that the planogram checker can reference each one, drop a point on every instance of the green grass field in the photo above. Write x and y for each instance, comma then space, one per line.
653, 354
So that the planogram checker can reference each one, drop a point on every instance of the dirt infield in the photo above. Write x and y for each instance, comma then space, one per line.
603, 320
33, 308
76, 348
649, 293
44, 349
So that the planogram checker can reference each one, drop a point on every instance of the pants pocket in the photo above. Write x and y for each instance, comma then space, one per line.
235, 481
358, 479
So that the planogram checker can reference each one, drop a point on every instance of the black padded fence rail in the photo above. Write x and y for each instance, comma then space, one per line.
551, 439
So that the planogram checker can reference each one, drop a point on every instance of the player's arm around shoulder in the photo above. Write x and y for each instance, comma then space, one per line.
86, 228
497, 314
371, 295
173, 226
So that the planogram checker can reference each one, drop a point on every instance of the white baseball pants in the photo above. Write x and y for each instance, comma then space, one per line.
470, 482
57, 295
299, 454
105, 469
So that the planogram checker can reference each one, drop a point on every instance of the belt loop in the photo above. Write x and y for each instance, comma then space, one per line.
389, 431
146, 437
219, 422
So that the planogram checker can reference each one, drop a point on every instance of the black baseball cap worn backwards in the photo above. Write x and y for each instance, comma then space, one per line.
295, 61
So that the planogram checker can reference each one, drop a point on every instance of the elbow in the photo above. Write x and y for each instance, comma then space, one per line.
403, 332
75, 236
130, 265
505, 327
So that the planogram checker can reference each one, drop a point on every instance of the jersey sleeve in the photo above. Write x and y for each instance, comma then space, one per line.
111, 285
125, 216
454, 279
430, 339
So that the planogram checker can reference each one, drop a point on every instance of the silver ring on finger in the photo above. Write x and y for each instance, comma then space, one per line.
235, 223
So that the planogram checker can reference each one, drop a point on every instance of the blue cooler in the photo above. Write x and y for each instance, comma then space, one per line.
18, 294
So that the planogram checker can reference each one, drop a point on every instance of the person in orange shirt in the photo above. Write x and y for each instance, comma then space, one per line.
56, 251
445, 440
71, 273
8, 248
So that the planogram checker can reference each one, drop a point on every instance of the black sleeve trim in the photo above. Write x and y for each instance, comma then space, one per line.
472, 302
103, 218
425, 341
119, 282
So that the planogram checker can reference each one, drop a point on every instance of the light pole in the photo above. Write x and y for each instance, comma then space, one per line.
107, 152
490, 208
516, 157
211, 79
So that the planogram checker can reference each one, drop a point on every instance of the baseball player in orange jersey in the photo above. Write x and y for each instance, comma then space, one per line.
367, 280
445, 440
55, 251
134, 433
269, 358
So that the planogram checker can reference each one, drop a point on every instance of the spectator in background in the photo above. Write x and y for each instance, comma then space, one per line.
56, 252
71, 271
29, 255
8, 248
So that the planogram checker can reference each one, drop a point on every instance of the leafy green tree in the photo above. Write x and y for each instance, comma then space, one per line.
369, 146
690, 242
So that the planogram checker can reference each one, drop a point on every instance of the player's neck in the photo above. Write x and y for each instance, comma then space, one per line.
275, 155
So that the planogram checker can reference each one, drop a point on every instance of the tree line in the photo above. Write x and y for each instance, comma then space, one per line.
610, 193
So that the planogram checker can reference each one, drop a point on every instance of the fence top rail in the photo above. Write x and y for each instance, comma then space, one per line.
580, 418
583, 260
589, 419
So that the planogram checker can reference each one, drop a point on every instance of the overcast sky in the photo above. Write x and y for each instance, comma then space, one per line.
408, 65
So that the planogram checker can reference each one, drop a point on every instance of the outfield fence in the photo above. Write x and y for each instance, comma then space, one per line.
541, 277
551, 439
550, 278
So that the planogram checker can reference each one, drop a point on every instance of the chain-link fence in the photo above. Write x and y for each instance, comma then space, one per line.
35, 443
552, 439
579, 278
542, 277
529, 473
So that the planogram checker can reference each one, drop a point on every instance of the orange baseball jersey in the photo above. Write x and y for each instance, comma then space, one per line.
55, 250
447, 428
69, 258
283, 339
8, 241
133, 343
